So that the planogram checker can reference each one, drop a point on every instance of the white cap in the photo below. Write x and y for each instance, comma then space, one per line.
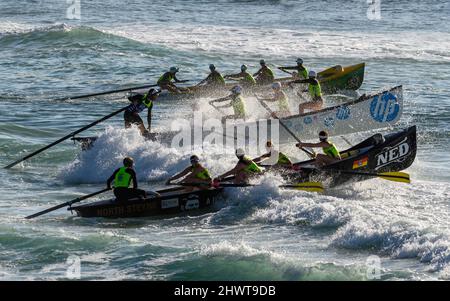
240, 152
236, 89
243, 67
276, 85
312, 74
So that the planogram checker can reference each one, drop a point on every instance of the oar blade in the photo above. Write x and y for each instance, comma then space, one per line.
307, 186
396, 176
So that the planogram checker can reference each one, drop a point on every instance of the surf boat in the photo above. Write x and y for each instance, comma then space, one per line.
368, 112
332, 80
172, 201
378, 156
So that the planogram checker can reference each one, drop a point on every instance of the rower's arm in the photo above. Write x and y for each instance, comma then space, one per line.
111, 178
180, 175
176, 79
204, 81
319, 144
288, 68
257, 72
260, 158
299, 81
227, 105
133, 178
230, 173
237, 75
149, 117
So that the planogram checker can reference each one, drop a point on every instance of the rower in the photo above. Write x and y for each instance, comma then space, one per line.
122, 178
214, 80
264, 75
244, 170
301, 70
245, 78
281, 98
194, 174
274, 157
166, 81
331, 153
315, 92
237, 102
138, 103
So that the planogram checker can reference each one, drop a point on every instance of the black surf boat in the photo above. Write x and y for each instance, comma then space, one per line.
173, 201
373, 157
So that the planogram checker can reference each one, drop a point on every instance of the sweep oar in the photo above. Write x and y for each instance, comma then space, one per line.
65, 137
395, 176
105, 93
79, 199
310, 153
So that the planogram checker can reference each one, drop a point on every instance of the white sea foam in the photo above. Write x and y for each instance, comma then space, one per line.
278, 43
153, 161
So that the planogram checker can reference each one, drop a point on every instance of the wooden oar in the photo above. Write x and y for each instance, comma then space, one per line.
310, 153
79, 199
65, 137
105, 93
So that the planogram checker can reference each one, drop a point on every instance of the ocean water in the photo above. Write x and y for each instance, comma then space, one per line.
257, 233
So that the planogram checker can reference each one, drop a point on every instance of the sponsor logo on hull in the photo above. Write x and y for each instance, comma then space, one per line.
169, 203
396, 153
192, 204
343, 112
385, 107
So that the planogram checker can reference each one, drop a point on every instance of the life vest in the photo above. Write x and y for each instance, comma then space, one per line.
203, 174
248, 79
283, 159
303, 72
165, 78
122, 178
238, 106
251, 167
331, 151
216, 78
147, 101
267, 73
314, 90
283, 104
143, 102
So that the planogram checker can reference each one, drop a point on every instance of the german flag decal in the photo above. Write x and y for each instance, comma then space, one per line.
360, 163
